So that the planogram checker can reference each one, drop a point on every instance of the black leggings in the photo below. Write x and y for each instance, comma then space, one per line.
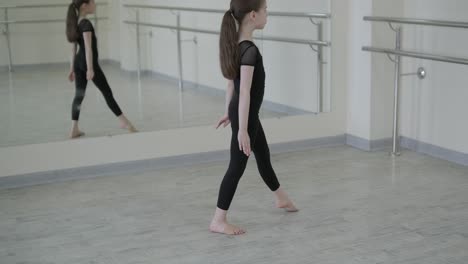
100, 81
239, 160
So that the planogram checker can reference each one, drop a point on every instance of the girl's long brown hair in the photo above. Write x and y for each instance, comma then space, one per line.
228, 41
72, 19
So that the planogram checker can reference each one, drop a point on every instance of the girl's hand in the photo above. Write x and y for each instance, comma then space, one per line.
223, 121
244, 142
90, 75
71, 76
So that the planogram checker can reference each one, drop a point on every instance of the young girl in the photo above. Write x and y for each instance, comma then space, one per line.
84, 65
242, 65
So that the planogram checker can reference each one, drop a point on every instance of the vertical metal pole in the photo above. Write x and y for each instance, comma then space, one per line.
396, 136
320, 69
11, 91
10, 123
140, 92
179, 53
181, 76
96, 20
96, 29
7, 35
138, 45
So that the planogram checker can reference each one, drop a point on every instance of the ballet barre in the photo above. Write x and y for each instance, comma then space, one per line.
316, 45
398, 53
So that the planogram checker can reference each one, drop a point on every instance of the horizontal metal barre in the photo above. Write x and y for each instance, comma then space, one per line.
42, 6
41, 21
413, 21
204, 10
213, 32
296, 41
418, 55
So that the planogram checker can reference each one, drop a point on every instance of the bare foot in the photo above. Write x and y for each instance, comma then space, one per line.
287, 205
132, 129
129, 127
76, 134
225, 228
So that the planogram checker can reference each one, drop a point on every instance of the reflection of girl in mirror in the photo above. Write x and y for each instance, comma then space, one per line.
84, 65
242, 64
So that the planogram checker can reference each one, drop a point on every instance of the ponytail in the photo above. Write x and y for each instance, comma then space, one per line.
228, 47
72, 23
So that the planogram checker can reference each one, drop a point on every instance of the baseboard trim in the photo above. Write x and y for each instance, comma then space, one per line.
367, 145
410, 144
141, 166
435, 151
358, 142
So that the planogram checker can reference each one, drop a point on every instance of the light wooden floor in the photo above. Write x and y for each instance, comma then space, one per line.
356, 208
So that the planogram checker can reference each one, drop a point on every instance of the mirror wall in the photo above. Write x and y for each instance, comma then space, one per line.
155, 87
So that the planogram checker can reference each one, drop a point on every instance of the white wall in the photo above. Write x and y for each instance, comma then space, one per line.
113, 28
43, 43
370, 87
432, 110
359, 67
436, 107
291, 68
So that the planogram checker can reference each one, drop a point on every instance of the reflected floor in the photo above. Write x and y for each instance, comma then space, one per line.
35, 105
